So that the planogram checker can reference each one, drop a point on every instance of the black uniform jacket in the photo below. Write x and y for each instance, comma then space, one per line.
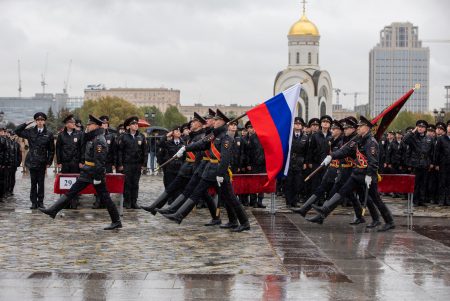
41, 146
422, 148
299, 151
95, 155
132, 150
442, 154
69, 147
366, 152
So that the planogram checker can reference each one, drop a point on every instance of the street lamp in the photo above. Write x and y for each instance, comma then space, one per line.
436, 115
441, 116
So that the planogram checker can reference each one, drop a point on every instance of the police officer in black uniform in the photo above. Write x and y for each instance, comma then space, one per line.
421, 159
318, 149
432, 195
16, 154
216, 173
394, 156
442, 161
92, 172
69, 150
3, 160
299, 149
256, 162
110, 137
364, 174
132, 158
39, 157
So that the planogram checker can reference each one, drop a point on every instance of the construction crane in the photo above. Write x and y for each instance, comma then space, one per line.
43, 82
337, 90
355, 95
66, 82
20, 78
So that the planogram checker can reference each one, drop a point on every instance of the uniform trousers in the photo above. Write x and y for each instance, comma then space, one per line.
37, 176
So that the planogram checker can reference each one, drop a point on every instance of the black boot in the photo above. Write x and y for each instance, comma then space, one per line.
318, 219
386, 227
328, 206
358, 220
243, 219
374, 224
182, 212
113, 226
176, 204
232, 219
213, 211
306, 206
134, 205
41, 204
56, 207
160, 202
34, 205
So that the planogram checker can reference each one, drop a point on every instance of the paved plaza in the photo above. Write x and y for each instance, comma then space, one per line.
283, 257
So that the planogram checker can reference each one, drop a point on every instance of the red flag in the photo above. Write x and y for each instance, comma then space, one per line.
386, 117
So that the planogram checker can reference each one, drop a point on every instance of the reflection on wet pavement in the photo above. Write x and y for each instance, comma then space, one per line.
283, 257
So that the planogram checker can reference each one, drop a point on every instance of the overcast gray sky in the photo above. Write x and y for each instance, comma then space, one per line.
214, 51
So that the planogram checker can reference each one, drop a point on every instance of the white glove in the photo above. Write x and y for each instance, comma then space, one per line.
368, 180
180, 152
96, 182
219, 180
326, 161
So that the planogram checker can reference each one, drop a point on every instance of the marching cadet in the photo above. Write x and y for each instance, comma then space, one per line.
39, 157
299, 150
442, 161
318, 148
69, 150
111, 157
216, 174
92, 172
202, 160
421, 147
184, 173
256, 162
329, 178
364, 174
132, 158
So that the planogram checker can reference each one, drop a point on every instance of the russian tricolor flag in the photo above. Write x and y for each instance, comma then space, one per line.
273, 122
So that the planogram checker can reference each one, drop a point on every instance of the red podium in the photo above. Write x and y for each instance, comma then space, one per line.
255, 183
399, 183
114, 184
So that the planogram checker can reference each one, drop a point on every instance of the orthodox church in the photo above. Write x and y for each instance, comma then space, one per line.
303, 66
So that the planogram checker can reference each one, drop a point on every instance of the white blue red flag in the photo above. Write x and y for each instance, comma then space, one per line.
273, 122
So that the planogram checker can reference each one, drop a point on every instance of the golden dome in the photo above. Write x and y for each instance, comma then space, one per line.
304, 27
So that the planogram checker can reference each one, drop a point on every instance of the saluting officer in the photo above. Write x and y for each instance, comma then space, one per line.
132, 158
92, 172
421, 159
39, 157
297, 165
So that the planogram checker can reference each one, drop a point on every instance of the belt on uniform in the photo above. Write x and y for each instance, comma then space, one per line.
89, 163
346, 165
205, 159
190, 160
214, 161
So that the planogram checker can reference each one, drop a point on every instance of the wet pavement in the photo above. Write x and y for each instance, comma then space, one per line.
283, 257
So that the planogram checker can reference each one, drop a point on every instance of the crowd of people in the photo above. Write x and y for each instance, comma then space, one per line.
206, 151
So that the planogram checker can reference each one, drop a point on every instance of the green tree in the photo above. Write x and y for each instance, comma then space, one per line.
158, 120
173, 117
118, 109
405, 119
51, 120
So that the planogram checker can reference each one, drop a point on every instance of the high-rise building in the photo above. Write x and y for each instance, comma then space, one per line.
396, 64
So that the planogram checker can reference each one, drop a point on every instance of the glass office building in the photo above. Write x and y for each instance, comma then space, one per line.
396, 64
